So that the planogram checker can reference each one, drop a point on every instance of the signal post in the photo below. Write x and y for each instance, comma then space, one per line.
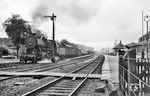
53, 17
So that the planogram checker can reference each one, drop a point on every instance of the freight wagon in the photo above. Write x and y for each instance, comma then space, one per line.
68, 52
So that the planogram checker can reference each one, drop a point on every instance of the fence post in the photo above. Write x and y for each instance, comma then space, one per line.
129, 93
123, 75
132, 68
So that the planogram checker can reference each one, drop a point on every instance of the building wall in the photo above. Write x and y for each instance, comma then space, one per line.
143, 47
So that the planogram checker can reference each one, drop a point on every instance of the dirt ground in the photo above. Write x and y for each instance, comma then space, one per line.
8, 60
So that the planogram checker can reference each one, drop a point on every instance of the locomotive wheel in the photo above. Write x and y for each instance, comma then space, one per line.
25, 61
53, 60
34, 60
21, 60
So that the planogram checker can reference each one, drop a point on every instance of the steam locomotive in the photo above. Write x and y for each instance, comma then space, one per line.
36, 48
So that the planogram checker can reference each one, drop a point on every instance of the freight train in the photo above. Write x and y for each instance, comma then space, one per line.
36, 48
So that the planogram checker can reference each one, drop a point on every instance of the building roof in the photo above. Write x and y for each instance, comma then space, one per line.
132, 44
142, 43
119, 46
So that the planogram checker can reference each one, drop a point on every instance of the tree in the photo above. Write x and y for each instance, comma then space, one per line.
64, 42
16, 28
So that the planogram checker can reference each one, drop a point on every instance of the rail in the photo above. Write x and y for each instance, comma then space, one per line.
73, 93
40, 69
36, 91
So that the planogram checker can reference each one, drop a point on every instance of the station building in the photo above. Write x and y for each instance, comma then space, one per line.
142, 46
118, 49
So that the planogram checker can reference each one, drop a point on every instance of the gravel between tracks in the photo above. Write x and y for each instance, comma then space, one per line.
10, 88
89, 88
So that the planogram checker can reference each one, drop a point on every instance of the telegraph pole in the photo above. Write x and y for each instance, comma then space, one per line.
53, 17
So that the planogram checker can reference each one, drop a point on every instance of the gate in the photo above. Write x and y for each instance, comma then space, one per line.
134, 75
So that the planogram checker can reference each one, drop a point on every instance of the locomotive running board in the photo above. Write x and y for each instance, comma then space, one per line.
94, 76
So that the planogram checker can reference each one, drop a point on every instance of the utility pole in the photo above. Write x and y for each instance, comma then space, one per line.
142, 37
147, 19
53, 17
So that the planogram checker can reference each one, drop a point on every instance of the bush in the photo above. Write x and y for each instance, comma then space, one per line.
4, 51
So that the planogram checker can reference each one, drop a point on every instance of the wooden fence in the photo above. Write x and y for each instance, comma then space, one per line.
134, 75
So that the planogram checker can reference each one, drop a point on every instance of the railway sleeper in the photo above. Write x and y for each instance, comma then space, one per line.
53, 94
57, 91
64, 88
38, 77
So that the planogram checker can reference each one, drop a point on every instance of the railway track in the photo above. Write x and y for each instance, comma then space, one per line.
32, 66
41, 68
67, 87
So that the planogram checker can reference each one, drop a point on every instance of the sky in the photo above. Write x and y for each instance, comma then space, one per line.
95, 23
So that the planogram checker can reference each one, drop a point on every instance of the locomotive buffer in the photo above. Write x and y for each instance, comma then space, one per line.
53, 17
